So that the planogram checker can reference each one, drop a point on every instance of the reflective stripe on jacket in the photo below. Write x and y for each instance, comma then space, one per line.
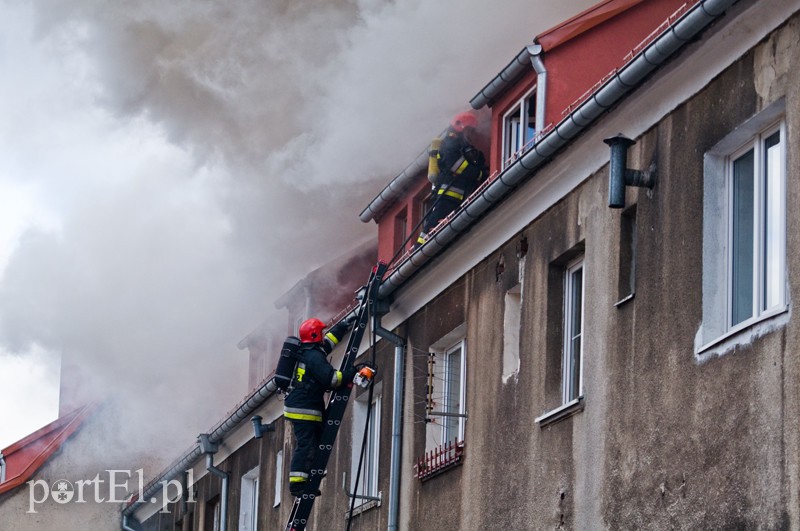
315, 376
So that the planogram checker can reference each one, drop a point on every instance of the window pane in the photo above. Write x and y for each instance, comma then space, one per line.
742, 239
530, 106
453, 394
773, 224
575, 332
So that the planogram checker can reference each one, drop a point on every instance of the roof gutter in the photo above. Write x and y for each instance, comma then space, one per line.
399, 184
527, 58
243, 412
518, 66
612, 91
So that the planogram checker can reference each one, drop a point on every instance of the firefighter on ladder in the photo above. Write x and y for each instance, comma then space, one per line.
461, 167
305, 404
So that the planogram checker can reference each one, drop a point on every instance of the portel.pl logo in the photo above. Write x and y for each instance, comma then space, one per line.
104, 488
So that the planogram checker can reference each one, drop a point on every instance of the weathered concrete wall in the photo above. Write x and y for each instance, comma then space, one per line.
665, 441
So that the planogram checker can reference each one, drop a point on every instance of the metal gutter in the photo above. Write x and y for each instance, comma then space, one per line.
612, 91
518, 66
397, 186
243, 412
526, 59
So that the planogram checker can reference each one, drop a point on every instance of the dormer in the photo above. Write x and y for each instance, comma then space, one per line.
548, 94
549, 78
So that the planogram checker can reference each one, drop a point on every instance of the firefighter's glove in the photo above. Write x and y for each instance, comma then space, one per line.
338, 331
365, 375
348, 374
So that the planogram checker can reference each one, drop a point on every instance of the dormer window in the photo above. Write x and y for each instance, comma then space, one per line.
519, 128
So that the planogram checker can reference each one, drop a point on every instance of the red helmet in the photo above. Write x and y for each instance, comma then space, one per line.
462, 121
311, 331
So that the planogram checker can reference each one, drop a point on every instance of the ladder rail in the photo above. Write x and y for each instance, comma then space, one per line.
337, 405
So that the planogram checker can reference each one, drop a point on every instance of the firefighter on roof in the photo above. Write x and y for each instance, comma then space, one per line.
461, 167
305, 404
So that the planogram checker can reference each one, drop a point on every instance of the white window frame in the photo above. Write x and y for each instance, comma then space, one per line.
448, 357
216, 515
248, 501
568, 391
368, 482
509, 153
777, 209
717, 333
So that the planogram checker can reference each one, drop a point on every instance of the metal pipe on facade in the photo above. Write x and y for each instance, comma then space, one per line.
535, 51
125, 526
518, 66
683, 30
223, 497
2, 468
397, 424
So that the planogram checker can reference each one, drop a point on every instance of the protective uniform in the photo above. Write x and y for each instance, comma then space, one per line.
304, 407
461, 168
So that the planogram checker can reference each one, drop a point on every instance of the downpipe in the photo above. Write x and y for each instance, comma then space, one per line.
224, 476
397, 423
125, 526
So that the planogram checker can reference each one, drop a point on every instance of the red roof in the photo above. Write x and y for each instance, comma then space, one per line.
26, 456
583, 22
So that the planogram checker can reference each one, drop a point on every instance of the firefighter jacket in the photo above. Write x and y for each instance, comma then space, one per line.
313, 377
461, 167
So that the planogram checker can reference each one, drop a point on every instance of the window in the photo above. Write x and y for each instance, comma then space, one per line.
446, 406
519, 128
756, 261
368, 480
278, 479
248, 504
446, 393
400, 228
572, 372
453, 395
744, 233
212, 514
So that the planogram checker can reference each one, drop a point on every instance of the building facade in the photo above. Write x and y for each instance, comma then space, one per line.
548, 361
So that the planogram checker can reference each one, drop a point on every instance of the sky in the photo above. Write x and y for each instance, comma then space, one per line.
169, 169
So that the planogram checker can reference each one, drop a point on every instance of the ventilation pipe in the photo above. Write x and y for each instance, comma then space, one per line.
397, 423
2, 468
259, 428
620, 176
210, 449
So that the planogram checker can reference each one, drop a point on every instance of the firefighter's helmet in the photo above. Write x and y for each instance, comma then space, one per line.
463, 120
311, 331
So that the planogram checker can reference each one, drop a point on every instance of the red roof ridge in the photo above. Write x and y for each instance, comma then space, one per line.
24, 457
583, 22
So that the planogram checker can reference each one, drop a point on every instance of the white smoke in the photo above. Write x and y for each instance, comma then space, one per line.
191, 159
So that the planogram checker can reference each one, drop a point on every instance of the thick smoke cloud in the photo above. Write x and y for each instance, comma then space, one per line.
231, 147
